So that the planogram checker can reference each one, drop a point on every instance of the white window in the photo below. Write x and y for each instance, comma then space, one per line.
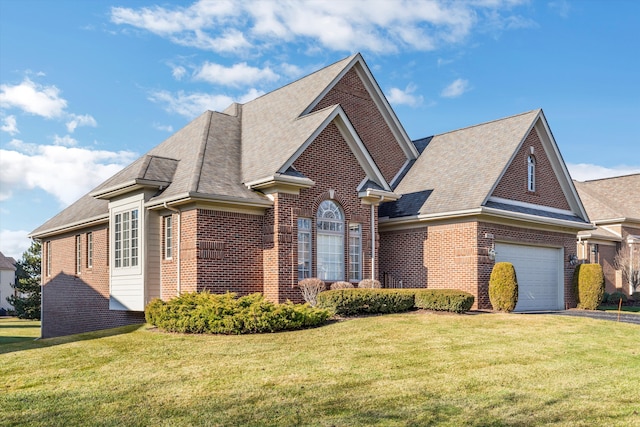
168, 237
47, 249
531, 173
355, 252
89, 250
78, 254
126, 239
304, 248
330, 225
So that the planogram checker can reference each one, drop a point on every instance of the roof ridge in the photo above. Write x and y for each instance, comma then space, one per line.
346, 59
609, 177
483, 123
197, 168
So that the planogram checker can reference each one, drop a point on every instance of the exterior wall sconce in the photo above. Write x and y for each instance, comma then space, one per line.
573, 259
492, 253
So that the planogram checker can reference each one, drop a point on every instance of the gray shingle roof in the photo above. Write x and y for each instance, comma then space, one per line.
272, 129
611, 198
460, 168
7, 263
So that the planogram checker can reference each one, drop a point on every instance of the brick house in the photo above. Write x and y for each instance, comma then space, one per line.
315, 179
613, 205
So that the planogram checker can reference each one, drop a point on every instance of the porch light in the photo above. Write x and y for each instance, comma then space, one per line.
492, 253
573, 259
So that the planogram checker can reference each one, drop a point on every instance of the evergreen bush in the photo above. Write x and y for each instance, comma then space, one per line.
503, 287
226, 314
350, 302
588, 286
444, 300
615, 297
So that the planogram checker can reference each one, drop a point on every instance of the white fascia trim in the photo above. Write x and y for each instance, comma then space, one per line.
353, 140
280, 178
429, 217
127, 187
530, 205
537, 219
98, 219
616, 221
372, 196
195, 197
400, 172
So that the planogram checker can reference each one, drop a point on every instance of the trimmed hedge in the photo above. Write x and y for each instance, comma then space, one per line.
444, 300
225, 314
503, 287
588, 286
614, 298
350, 302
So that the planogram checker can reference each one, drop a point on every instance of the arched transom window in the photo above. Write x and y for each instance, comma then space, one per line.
330, 224
531, 173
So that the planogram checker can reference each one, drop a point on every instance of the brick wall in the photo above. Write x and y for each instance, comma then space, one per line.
513, 184
455, 256
351, 93
75, 303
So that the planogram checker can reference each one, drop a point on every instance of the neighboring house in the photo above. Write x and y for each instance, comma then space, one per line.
613, 205
315, 179
7, 278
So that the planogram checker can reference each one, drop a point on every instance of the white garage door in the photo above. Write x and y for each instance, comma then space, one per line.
539, 273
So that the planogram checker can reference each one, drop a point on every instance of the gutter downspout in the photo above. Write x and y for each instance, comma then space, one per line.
179, 260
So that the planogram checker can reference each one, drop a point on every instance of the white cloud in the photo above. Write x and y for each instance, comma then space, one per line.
77, 120
236, 75
33, 98
178, 72
10, 125
585, 171
13, 243
398, 96
66, 141
348, 25
164, 128
455, 89
65, 172
191, 105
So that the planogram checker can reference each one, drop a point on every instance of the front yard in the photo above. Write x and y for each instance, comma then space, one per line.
416, 368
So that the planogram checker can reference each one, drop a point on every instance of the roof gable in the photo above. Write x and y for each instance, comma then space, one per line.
463, 168
276, 125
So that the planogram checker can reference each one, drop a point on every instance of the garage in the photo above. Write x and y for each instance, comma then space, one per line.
539, 272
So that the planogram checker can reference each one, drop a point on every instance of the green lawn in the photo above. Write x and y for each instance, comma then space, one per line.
625, 309
13, 330
412, 369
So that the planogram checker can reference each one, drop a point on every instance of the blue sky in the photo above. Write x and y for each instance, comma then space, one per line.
88, 86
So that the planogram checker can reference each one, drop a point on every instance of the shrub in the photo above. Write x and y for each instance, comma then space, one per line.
341, 285
503, 287
349, 302
369, 283
226, 314
614, 298
605, 298
310, 289
588, 286
635, 296
443, 300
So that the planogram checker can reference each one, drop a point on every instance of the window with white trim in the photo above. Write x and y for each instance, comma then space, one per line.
168, 237
47, 249
330, 229
126, 239
89, 250
78, 254
304, 248
355, 252
531, 173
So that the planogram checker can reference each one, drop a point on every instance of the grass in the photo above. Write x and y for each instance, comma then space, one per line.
412, 369
14, 330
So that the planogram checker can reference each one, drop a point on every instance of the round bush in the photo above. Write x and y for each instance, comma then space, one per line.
369, 283
503, 287
341, 285
588, 286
